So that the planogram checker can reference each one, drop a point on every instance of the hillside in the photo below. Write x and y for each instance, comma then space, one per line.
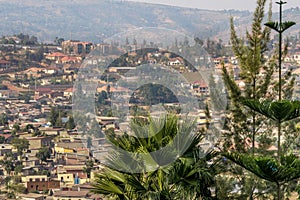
94, 20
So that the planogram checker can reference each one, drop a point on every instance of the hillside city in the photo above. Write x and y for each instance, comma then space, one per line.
41, 149
51, 150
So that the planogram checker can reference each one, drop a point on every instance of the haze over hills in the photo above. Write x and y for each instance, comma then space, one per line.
95, 20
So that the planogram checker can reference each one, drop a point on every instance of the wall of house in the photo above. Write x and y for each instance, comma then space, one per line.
63, 150
67, 178
32, 178
42, 185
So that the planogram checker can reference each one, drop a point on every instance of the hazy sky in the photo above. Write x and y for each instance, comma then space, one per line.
221, 4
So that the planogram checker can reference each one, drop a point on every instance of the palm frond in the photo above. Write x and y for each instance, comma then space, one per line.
110, 183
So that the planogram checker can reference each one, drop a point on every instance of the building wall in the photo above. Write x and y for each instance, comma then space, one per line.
42, 185
67, 178
32, 178
63, 150
71, 198
39, 143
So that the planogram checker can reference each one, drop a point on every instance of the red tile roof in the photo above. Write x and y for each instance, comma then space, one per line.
56, 54
4, 62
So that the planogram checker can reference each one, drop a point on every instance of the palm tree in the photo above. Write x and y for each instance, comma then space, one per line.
187, 177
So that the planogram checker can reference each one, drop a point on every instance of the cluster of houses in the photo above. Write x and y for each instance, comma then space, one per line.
50, 84
62, 175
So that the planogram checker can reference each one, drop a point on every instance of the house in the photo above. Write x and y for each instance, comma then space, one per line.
200, 87
57, 56
76, 47
42, 185
41, 92
5, 149
72, 195
151, 61
175, 61
31, 196
34, 72
51, 131
121, 70
68, 147
31, 178
68, 92
51, 70
296, 57
7, 137
66, 179
4, 64
31, 161
71, 59
5, 93
39, 142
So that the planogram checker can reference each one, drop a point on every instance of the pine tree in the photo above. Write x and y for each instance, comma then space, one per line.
250, 54
285, 168
243, 124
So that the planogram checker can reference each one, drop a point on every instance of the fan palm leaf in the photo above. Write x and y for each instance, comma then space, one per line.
167, 171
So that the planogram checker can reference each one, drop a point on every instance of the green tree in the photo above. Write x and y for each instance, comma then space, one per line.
18, 169
250, 54
43, 154
58, 40
20, 144
89, 164
8, 164
189, 177
244, 124
16, 127
70, 123
3, 119
2, 139
287, 167
89, 142
55, 116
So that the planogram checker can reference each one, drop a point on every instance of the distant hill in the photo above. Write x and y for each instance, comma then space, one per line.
94, 20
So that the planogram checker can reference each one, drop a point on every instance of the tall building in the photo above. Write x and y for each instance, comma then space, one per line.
76, 47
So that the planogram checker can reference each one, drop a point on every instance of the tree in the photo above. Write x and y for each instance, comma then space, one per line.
251, 61
3, 119
89, 142
20, 144
285, 168
16, 127
43, 154
188, 177
29, 128
2, 139
70, 123
89, 164
55, 116
18, 168
58, 41
8, 164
